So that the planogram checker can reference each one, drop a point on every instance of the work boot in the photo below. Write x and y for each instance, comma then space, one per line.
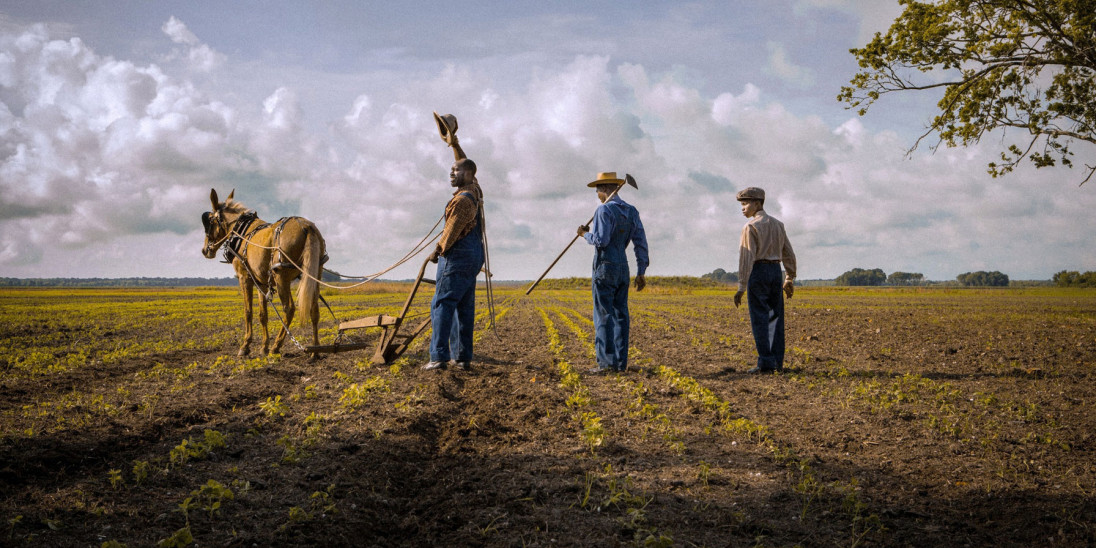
600, 371
464, 366
434, 366
759, 371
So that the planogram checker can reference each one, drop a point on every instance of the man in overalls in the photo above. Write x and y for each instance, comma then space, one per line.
459, 254
615, 224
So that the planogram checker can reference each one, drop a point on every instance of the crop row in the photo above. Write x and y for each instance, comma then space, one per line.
991, 424
602, 489
818, 495
38, 356
803, 480
578, 401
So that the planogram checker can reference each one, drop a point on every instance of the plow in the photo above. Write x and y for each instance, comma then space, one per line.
392, 343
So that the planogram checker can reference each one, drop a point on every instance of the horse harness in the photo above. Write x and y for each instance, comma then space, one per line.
241, 235
243, 231
236, 241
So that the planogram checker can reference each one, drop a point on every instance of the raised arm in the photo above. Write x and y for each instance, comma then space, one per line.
458, 152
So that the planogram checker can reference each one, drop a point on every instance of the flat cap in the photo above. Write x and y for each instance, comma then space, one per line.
751, 193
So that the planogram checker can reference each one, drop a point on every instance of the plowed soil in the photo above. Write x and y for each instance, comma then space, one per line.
919, 417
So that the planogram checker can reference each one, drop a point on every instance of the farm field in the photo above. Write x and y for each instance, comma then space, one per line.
904, 417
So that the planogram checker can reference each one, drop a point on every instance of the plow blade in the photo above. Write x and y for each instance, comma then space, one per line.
335, 348
391, 344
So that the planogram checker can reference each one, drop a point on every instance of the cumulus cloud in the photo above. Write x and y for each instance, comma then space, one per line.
93, 148
785, 68
106, 156
201, 57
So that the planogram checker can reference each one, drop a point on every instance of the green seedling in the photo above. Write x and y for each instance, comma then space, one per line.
274, 407
11, 525
189, 449
180, 539
211, 495
115, 478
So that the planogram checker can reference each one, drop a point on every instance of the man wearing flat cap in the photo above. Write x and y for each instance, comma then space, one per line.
460, 258
615, 224
763, 247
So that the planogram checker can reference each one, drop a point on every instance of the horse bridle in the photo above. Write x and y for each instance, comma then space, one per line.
206, 218
234, 236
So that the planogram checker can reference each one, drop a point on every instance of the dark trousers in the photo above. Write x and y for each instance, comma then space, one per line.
611, 324
454, 309
765, 296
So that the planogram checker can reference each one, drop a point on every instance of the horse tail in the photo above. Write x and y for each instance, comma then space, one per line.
311, 263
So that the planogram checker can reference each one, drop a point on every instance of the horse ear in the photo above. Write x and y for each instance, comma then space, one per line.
213, 198
230, 194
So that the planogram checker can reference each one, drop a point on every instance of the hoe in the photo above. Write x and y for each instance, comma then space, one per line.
627, 180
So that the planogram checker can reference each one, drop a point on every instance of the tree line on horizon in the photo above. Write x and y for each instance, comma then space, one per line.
134, 281
1073, 278
116, 282
876, 277
719, 276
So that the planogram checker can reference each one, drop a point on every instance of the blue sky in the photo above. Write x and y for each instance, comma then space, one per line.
118, 117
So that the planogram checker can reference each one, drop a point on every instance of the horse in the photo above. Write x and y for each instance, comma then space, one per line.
269, 256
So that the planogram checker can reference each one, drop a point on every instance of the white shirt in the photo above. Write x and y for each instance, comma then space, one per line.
764, 239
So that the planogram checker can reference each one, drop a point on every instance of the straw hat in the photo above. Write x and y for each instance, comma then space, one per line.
447, 124
606, 178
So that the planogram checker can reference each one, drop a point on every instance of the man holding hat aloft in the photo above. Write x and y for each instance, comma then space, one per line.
763, 247
460, 258
615, 224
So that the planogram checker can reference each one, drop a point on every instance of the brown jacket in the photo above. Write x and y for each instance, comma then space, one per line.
460, 216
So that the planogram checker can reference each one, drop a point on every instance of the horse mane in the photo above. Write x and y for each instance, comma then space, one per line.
232, 206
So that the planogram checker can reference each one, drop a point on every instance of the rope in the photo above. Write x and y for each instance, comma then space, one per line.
414, 251
487, 265
268, 297
419, 247
422, 245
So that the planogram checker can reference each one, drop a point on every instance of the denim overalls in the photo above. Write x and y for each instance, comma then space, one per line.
610, 289
453, 310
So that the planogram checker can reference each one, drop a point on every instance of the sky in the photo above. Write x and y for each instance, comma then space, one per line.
118, 117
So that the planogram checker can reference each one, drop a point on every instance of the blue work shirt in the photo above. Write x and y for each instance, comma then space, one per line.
615, 224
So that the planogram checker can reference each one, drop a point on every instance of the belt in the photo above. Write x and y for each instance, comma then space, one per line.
767, 261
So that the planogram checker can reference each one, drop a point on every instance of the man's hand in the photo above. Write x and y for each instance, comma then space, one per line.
738, 298
434, 255
582, 230
789, 288
450, 138
641, 282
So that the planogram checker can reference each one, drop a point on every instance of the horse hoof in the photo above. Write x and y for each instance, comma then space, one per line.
242, 353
